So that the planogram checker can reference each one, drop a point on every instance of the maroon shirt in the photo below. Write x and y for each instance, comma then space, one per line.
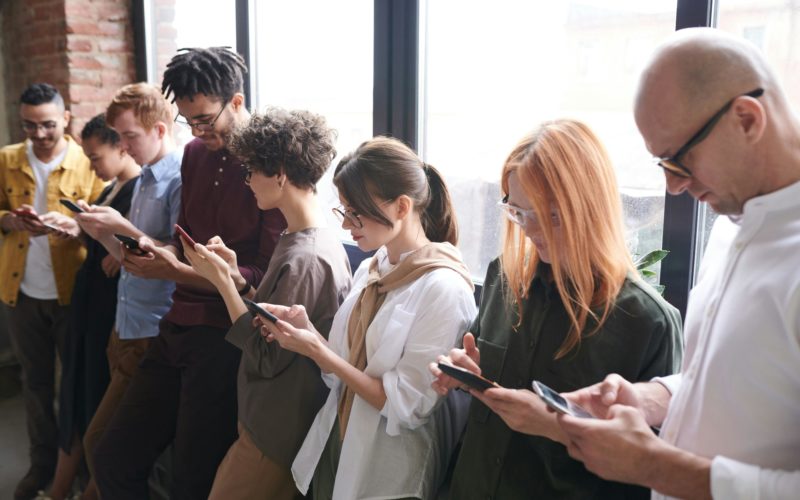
215, 201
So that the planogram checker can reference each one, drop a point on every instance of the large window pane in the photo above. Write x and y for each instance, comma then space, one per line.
493, 72
774, 27
317, 55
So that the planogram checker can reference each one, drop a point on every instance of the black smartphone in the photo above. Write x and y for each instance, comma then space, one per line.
467, 377
71, 205
130, 243
558, 402
259, 311
185, 235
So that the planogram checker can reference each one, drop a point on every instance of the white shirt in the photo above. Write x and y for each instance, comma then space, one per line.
738, 400
389, 453
39, 281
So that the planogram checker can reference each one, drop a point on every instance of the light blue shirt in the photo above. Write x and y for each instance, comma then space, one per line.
154, 210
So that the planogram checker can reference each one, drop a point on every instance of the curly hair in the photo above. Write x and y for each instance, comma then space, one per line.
213, 72
297, 143
97, 127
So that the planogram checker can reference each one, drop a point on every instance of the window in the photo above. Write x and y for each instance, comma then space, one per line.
492, 72
317, 55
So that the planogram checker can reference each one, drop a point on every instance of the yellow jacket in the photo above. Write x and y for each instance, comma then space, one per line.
73, 179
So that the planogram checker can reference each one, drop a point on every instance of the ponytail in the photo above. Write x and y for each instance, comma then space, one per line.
439, 218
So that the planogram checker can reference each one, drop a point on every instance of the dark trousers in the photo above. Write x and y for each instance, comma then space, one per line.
38, 329
183, 393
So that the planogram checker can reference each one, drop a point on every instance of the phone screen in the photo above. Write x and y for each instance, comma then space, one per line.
260, 311
557, 402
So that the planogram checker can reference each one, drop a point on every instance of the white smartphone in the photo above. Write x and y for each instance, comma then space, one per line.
558, 402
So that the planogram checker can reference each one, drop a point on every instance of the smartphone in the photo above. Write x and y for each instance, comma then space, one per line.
71, 205
27, 214
259, 311
130, 243
558, 402
467, 377
181, 231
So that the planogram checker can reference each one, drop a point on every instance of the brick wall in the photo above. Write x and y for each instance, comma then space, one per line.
83, 47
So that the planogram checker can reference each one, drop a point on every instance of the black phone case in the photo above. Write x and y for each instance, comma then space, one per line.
469, 378
259, 311
71, 205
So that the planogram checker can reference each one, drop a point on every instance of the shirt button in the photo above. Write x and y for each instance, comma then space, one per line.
220, 170
498, 461
224, 158
14, 275
22, 245
122, 299
137, 210
216, 183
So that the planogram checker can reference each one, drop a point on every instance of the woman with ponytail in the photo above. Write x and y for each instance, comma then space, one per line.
384, 432
563, 305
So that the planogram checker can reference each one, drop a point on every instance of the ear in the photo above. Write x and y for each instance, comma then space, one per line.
404, 206
67, 116
237, 101
161, 129
751, 118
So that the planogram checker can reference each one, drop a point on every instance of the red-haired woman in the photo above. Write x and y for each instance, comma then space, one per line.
562, 305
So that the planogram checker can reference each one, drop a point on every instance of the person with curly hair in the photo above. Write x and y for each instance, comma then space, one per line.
286, 153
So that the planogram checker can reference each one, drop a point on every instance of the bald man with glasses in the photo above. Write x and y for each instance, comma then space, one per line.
718, 122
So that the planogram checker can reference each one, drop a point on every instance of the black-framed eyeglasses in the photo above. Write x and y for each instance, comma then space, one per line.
343, 213
201, 126
32, 127
248, 174
673, 165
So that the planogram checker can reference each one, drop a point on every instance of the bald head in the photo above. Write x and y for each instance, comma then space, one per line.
694, 73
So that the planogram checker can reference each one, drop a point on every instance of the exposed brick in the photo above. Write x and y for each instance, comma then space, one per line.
107, 45
94, 29
84, 62
75, 44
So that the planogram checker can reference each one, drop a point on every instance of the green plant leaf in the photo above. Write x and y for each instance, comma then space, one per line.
650, 259
647, 273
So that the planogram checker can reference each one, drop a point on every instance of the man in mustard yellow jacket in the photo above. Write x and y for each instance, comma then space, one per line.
39, 256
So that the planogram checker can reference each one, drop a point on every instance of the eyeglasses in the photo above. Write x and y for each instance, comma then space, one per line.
673, 165
201, 126
521, 216
32, 128
248, 174
342, 213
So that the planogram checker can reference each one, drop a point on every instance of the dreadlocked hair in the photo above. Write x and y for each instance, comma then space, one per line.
213, 72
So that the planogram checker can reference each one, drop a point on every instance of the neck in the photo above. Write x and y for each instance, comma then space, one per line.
130, 170
167, 147
411, 237
300, 208
782, 157
47, 155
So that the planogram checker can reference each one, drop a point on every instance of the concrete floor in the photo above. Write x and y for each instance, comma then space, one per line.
13, 444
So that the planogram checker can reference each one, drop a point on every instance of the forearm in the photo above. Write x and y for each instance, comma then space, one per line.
678, 473
233, 302
368, 388
655, 400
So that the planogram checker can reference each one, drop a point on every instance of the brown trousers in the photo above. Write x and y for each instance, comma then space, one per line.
246, 474
123, 361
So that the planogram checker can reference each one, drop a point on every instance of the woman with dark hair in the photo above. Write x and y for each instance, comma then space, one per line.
562, 305
279, 392
92, 309
383, 432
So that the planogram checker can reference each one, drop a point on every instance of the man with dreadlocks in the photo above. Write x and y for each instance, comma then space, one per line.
185, 389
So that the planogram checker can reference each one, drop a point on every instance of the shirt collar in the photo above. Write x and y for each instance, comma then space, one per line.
162, 166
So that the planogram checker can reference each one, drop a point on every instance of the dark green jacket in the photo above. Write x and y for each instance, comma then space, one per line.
641, 339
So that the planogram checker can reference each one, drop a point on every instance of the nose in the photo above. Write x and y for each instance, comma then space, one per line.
676, 184
198, 132
40, 132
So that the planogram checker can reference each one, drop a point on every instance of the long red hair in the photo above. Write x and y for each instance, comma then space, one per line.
563, 165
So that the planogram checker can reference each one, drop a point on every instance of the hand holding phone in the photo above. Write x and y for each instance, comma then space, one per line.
71, 205
181, 231
558, 402
257, 310
131, 244
466, 377
31, 216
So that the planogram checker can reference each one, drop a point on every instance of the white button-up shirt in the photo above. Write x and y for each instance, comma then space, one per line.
738, 398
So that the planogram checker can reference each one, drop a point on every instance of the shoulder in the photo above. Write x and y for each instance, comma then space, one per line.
639, 301
12, 151
316, 249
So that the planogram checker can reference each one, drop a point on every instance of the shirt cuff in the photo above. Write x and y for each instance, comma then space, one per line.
671, 382
732, 479
241, 330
